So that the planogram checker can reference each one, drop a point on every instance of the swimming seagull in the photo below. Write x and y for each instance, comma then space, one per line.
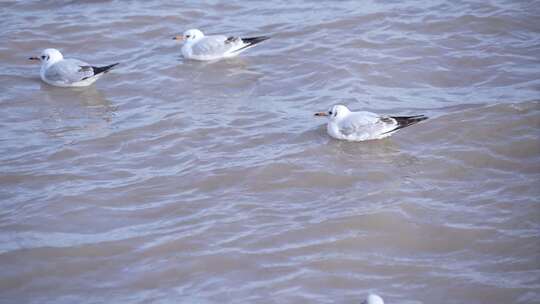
60, 72
373, 299
358, 126
197, 46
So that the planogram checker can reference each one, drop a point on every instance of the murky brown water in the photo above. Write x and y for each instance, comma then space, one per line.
188, 182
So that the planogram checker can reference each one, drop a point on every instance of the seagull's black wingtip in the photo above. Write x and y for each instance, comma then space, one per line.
104, 69
255, 40
405, 121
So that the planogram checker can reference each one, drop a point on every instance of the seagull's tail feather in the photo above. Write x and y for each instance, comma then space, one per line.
405, 121
103, 69
251, 41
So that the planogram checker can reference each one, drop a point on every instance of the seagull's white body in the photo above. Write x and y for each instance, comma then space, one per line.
60, 72
197, 46
373, 299
359, 126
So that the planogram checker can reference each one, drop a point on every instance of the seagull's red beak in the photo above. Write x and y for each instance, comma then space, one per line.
178, 37
33, 58
321, 114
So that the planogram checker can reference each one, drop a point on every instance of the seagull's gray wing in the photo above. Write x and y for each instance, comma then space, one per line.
367, 124
358, 122
215, 46
69, 71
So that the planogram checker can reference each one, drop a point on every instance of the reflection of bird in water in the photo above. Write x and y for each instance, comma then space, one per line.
235, 77
89, 96
76, 110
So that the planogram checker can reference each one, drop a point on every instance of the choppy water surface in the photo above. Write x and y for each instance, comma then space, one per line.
172, 181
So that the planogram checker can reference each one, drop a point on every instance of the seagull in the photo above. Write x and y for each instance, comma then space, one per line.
373, 299
359, 126
60, 72
197, 46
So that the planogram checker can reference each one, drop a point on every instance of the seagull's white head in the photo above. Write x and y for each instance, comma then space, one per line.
190, 35
373, 299
335, 112
49, 56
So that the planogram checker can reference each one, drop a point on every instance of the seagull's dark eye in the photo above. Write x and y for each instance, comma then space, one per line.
187, 36
330, 112
43, 57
